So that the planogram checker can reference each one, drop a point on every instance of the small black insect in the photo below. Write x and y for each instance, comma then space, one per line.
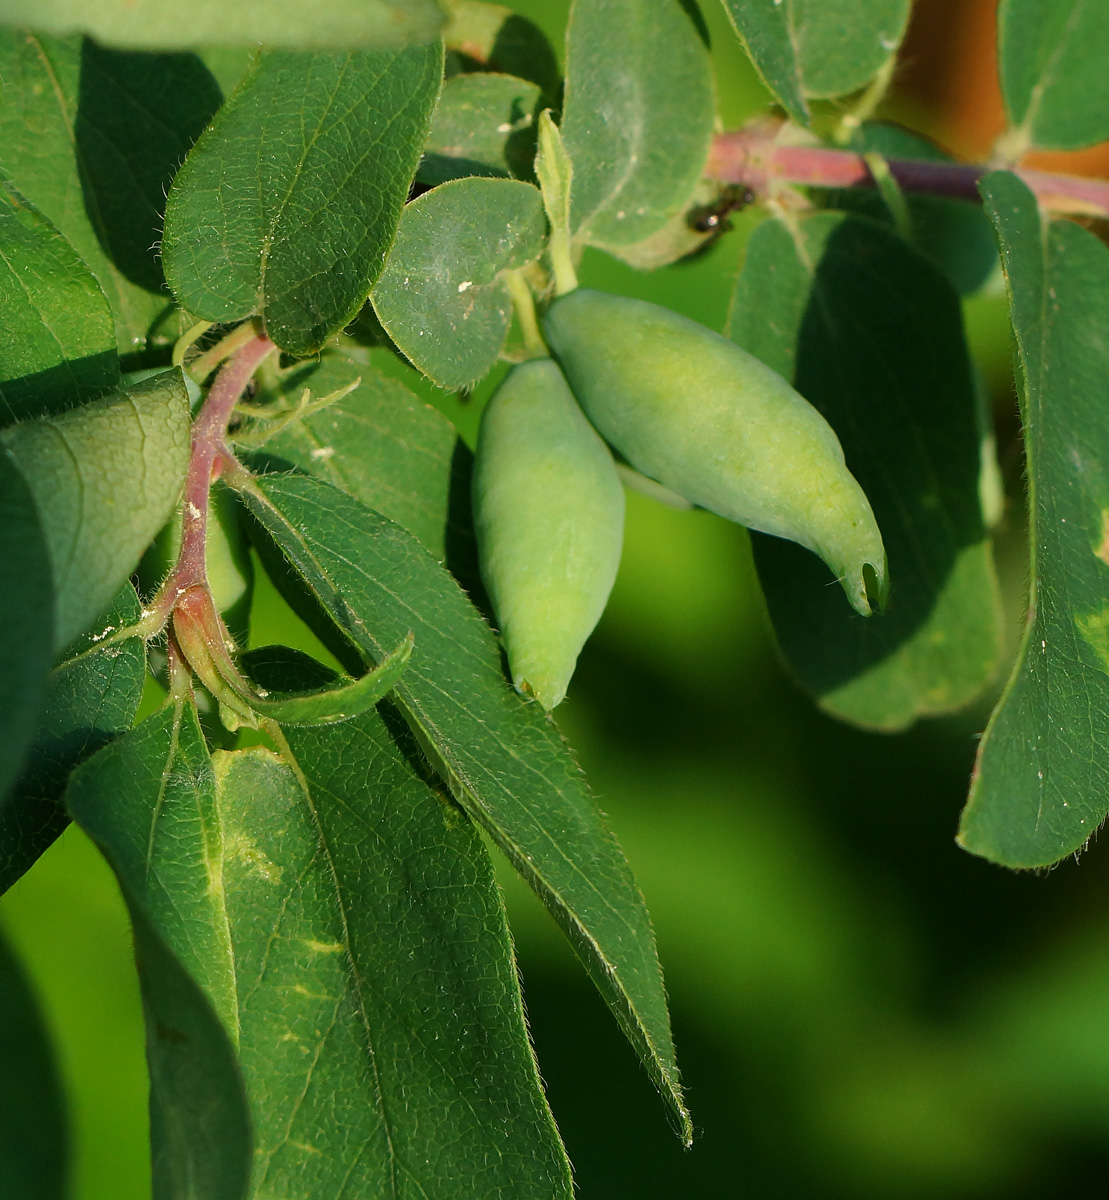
713, 218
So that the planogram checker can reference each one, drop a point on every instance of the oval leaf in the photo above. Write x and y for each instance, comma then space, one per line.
813, 303
288, 204
442, 297
105, 478
638, 116
818, 48
1052, 56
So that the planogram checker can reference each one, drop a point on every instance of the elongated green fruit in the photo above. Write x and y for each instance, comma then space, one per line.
549, 514
709, 421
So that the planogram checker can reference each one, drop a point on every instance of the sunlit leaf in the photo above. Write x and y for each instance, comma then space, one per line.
502, 756
288, 204
442, 297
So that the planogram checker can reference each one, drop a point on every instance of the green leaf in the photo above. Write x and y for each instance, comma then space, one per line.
57, 340
638, 117
1041, 782
818, 48
288, 204
343, 920
503, 758
91, 698
1052, 56
34, 1125
92, 137
105, 479
303, 24
955, 234
871, 334
484, 125
494, 38
149, 802
380, 443
339, 701
442, 296
27, 630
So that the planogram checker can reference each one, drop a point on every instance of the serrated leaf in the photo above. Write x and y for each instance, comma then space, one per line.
638, 115
90, 699
27, 630
34, 1124
344, 921
871, 334
503, 758
484, 125
1042, 776
1052, 55
57, 340
288, 204
296, 24
380, 443
955, 234
818, 48
442, 297
149, 802
105, 478
92, 137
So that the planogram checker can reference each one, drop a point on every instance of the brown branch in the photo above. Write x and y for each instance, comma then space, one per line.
751, 158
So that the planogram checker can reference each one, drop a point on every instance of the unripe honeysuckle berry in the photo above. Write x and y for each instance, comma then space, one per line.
689, 408
549, 516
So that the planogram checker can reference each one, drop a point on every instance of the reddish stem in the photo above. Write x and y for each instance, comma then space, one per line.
752, 158
209, 453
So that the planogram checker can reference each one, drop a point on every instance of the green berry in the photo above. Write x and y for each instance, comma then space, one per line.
549, 515
706, 419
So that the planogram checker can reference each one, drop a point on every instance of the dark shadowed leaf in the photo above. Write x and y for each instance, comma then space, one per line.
380, 443
1052, 56
871, 334
34, 1129
818, 47
296, 24
90, 699
955, 234
149, 802
27, 630
502, 756
494, 38
484, 125
1041, 782
638, 116
92, 138
287, 206
57, 340
105, 478
442, 297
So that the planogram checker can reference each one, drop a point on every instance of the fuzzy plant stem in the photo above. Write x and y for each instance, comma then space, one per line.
751, 158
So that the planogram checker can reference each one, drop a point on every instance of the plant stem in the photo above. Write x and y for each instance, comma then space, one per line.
209, 452
751, 157
524, 305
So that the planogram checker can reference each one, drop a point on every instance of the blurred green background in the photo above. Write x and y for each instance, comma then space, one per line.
861, 1009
